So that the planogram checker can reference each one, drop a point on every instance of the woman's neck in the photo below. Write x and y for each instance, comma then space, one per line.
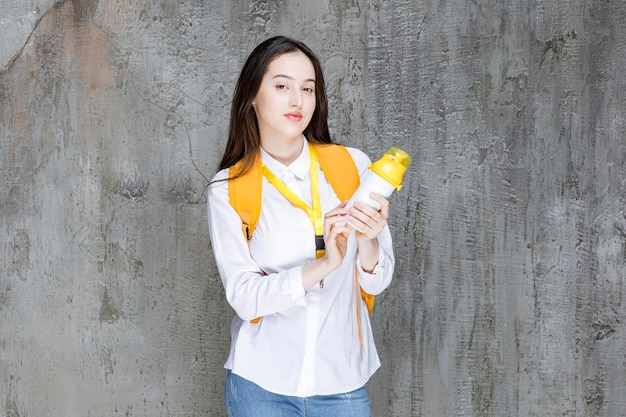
284, 152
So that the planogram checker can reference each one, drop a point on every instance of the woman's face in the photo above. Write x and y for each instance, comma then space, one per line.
285, 102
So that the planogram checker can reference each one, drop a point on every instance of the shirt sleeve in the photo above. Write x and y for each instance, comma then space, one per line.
379, 279
249, 291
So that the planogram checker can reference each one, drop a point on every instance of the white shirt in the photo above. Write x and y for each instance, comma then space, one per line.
307, 343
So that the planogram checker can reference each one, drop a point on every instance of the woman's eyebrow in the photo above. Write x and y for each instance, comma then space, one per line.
292, 78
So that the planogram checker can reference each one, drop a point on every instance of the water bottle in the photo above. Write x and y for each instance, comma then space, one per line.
382, 177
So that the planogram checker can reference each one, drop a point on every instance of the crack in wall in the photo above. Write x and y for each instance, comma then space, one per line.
170, 111
6, 67
79, 7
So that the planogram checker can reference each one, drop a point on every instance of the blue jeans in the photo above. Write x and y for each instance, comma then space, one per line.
246, 399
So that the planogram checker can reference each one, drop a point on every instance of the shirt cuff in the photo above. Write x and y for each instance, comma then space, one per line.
295, 283
379, 263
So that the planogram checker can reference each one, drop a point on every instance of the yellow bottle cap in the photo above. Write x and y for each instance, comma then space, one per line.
392, 166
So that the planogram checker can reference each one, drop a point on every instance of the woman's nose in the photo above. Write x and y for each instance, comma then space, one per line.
296, 98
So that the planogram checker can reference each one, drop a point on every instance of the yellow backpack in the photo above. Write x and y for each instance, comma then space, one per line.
339, 169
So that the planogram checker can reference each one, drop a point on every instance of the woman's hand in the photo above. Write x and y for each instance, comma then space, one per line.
336, 235
335, 241
369, 223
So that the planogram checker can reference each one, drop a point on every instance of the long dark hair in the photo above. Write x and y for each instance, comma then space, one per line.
244, 141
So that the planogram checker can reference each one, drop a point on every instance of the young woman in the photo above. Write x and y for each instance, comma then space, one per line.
302, 342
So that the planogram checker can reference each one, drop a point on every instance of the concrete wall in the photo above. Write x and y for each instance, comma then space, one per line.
510, 231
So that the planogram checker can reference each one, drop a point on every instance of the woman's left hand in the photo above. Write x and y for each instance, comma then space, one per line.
368, 221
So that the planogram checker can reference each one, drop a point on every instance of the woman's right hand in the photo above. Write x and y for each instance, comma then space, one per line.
336, 233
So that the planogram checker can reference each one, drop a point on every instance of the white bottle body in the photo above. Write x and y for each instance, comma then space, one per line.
371, 183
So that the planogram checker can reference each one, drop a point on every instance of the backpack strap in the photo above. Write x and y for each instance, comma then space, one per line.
244, 193
339, 169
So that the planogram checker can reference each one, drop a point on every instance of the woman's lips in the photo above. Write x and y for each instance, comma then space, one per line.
294, 116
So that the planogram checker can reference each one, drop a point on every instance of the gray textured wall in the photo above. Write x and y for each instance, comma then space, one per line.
510, 232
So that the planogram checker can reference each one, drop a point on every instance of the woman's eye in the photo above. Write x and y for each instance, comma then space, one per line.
308, 89
281, 87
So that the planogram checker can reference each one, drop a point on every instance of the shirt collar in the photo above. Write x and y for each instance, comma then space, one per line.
299, 167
